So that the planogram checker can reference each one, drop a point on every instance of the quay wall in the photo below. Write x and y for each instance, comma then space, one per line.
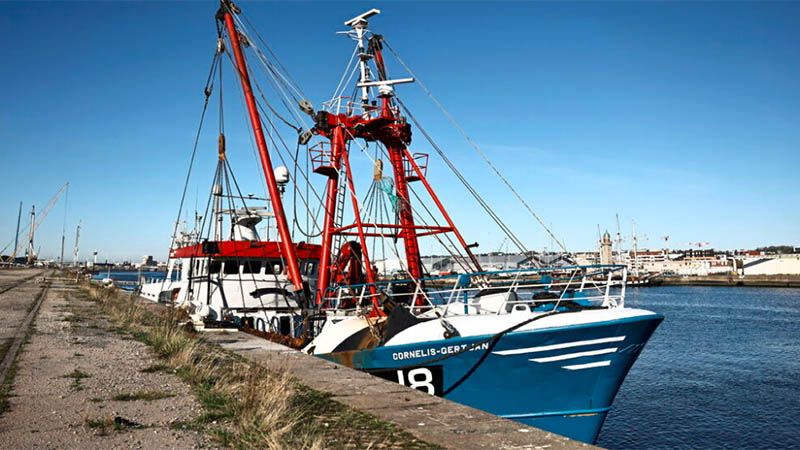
731, 280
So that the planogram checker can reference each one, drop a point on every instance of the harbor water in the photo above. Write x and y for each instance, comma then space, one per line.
127, 279
722, 371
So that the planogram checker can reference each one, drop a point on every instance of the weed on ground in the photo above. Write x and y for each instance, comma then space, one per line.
103, 425
77, 376
142, 395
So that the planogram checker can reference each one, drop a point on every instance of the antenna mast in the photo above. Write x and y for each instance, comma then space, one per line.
378, 120
64, 227
31, 253
619, 241
75, 249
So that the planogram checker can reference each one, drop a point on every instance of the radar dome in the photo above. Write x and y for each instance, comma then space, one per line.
281, 175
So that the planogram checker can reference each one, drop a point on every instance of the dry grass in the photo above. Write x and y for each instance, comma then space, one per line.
253, 407
246, 405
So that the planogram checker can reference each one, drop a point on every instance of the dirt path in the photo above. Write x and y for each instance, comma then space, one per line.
79, 384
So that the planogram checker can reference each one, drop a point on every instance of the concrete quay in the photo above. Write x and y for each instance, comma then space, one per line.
779, 281
431, 419
77, 363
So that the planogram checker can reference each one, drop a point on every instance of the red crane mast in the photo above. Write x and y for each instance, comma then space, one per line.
226, 12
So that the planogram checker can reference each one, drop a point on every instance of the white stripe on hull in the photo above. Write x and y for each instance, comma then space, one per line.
588, 365
545, 348
574, 355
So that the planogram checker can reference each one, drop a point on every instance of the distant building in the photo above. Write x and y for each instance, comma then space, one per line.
606, 252
436, 265
771, 265
147, 261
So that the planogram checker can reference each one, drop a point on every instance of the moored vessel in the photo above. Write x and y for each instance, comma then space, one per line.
548, 347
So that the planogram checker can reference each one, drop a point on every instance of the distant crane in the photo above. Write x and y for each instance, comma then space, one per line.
64, 228
35, 223
16, 237
699, 245
666, 243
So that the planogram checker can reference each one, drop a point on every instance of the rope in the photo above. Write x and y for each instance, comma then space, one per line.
280, 82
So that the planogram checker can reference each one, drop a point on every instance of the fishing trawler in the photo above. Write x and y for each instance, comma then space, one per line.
545, 347
221, 272
548, 347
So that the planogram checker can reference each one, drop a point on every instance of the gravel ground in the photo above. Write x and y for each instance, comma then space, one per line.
68, 373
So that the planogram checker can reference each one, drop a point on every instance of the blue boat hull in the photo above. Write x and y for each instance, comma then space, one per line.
560, 379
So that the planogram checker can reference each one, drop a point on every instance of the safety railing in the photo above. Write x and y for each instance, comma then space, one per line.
345, 105
497, 292
322, 159
421, 160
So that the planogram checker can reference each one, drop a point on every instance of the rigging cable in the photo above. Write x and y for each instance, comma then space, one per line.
289, 80
454, 252
283, 147
474, 146
465, 182
280, 82
207, 93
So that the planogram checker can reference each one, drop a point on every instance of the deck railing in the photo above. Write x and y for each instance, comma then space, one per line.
595, 285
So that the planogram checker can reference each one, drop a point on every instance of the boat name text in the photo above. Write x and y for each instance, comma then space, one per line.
437, 351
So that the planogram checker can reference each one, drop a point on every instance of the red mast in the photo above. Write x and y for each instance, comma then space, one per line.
381, 123
226, 10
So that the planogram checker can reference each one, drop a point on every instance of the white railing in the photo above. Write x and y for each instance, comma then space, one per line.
499, 292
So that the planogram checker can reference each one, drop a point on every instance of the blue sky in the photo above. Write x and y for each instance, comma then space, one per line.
680, 116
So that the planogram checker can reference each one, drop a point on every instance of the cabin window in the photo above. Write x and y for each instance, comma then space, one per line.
214, 267
310, 268
251, 266
231, 267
